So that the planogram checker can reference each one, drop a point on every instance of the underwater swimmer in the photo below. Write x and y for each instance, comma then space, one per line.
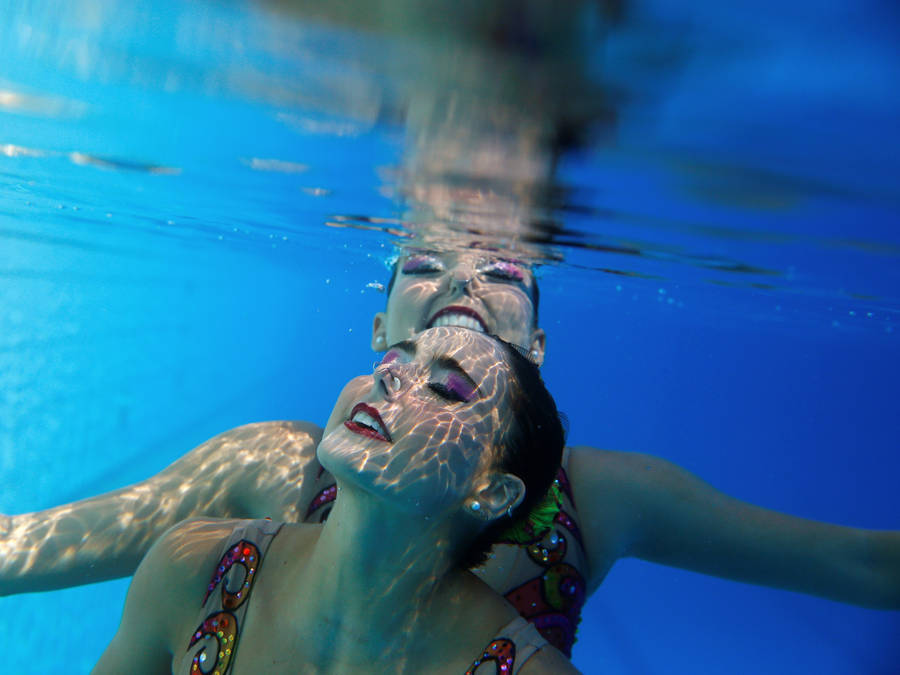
628, 504
455, 436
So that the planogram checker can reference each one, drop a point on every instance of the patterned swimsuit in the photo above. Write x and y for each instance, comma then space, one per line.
213, 644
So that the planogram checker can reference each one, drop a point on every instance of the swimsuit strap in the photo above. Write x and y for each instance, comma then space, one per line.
213, 643
515, 643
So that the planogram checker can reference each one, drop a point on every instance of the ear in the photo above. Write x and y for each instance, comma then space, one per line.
379, 332
498, 496
538, 342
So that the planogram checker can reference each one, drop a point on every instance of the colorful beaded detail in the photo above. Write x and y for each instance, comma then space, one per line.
553, 600
220, 627
244, 554
217, 634
502, 652
324, 498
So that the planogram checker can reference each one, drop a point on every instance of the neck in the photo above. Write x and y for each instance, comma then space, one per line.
376, 571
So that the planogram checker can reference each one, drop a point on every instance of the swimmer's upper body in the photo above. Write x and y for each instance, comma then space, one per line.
438, 449
628, 504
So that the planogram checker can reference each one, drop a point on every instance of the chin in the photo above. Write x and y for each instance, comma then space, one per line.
337, 456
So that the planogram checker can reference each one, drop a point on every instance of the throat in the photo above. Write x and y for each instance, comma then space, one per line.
370, 574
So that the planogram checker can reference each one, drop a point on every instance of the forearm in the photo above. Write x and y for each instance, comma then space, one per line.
868, 571
91, 540
860, 567
637, 505
706, 531
252, 471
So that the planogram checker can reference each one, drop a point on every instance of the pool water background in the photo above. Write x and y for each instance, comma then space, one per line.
145, 309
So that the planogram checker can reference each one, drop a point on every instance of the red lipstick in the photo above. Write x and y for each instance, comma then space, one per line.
365, 421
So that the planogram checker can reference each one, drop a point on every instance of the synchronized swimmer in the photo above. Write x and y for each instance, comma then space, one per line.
611, 504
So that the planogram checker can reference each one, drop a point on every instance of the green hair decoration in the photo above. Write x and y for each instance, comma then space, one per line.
538, 521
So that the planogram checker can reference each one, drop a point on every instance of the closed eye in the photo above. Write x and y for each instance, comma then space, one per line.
422, 264
504, 271
446, 392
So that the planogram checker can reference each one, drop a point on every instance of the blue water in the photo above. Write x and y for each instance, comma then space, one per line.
162, 280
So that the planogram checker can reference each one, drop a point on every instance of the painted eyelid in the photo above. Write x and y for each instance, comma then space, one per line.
460, 387
506, 270
391, 356
422, 263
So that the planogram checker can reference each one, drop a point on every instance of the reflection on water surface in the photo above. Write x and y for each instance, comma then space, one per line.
731, 165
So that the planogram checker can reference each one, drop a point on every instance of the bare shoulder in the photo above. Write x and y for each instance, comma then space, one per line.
608, 475
548, 660
606, 464
191, 541
257, 470
164, 597
611, 489
184, 558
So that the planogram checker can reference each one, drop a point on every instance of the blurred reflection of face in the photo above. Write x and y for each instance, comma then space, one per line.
467, 289
425, 432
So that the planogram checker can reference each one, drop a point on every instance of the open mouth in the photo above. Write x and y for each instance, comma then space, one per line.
365, 421
455, 315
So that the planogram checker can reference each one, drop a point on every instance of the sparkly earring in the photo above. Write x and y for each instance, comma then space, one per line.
475, 506
379, 339
509, 511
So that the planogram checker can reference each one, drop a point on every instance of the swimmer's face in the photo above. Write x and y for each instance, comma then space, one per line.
467, 289
425, 434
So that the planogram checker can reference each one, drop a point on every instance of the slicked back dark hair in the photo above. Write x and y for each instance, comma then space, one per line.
531, 450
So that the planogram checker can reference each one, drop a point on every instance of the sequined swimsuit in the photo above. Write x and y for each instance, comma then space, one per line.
543, 579
213, 644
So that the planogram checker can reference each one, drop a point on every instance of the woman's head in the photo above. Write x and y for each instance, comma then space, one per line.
456, 423
467, 288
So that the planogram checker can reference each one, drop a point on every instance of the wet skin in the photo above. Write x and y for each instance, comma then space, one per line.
629, 504
426, 422
466, 288
380, 581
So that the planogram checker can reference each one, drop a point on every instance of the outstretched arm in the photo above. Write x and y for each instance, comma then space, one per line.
632, 504
257, 470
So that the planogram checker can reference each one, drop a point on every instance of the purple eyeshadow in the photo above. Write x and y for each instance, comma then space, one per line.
460, 386
419, 263
390, 356
511, 270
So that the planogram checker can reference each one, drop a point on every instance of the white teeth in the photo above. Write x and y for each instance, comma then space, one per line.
368, 421
461, 320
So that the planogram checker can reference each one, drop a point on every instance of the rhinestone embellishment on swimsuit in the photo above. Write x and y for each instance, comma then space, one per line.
217, 634
502, 652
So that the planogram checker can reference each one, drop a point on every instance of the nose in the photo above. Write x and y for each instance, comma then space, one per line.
461, 278
390, 378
